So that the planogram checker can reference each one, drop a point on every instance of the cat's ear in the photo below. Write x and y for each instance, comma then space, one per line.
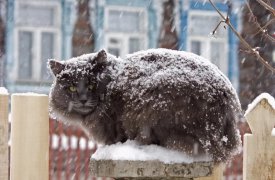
56, 66
99, 60
101, 57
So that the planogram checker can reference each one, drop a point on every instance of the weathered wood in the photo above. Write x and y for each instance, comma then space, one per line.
149, 169
4, 130
29, 137
157, 178
259, 147
216, 175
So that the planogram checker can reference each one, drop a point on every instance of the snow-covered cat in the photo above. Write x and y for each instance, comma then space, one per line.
170, 98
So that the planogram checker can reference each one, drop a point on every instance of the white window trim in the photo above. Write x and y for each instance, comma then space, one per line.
37, 31
208, 39
143, 25
124, 36
125, 41
55, 5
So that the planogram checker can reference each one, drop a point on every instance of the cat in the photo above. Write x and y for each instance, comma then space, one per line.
173, 99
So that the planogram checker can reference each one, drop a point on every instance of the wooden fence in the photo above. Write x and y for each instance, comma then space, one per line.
259, 147
4, 126
70, 151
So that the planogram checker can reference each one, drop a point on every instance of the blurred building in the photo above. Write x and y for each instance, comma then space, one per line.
2, 40
38, 30
198, 20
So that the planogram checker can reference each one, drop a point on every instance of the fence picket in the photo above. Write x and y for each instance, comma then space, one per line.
4, 126
216, 175
29, 137
259, 147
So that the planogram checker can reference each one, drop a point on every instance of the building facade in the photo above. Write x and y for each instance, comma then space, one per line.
38, 30
198, 20
2, 40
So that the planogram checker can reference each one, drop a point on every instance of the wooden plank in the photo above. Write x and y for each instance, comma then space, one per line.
119, 169
29, 137
259, 147
4, 130
216, 175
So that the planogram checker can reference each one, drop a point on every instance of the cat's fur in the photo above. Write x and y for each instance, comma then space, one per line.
170, 98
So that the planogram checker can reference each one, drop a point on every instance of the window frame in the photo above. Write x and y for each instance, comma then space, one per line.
125, 37
37, 40
206, 40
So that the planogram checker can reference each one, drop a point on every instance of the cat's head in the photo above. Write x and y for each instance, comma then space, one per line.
80, 83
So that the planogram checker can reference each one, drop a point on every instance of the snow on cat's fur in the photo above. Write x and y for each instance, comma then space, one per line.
174, 99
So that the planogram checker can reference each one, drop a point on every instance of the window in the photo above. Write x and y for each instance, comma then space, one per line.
201, 42
25, 51
123, 21
39, 16
125, 30
37, 34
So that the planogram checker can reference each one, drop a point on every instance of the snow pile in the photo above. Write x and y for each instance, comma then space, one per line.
3, 91
130, 150
262, 96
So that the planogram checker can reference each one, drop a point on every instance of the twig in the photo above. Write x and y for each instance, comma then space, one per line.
267, 6
214, 31
242, 40
269, 22
261, 29
265, 26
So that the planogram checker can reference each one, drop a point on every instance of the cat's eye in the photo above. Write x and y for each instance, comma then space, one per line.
91, 87
72, 88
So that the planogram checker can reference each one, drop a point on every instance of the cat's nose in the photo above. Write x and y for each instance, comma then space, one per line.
83, 101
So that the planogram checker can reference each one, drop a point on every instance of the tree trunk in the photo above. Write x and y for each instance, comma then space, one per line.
168, 35
83, 36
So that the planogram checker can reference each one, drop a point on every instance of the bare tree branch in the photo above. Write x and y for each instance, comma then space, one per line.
261, 29
242, 40
267, 6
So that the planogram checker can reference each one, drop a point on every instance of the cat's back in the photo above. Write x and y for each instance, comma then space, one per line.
177, 72
163, 66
